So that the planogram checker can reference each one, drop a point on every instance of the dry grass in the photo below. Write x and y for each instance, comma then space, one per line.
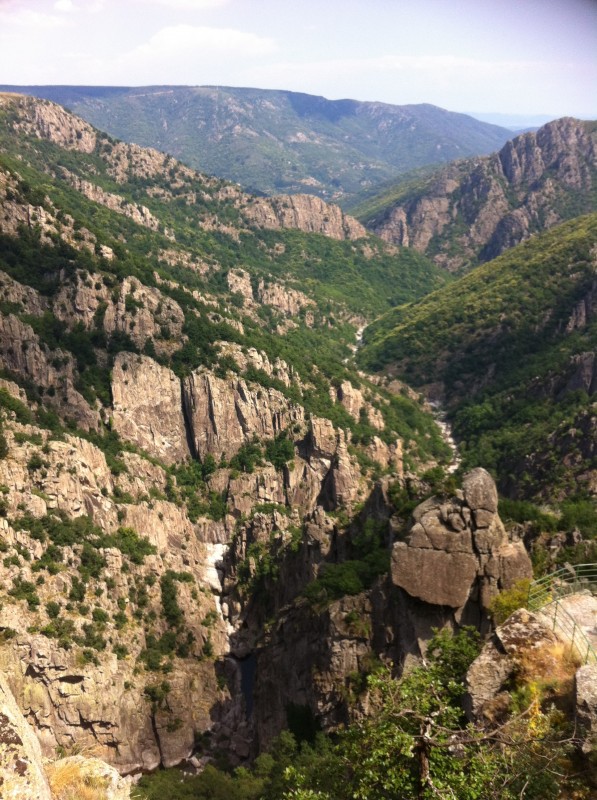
70, 781
545, 678
552, 665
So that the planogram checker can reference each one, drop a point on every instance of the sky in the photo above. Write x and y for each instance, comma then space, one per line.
509, 57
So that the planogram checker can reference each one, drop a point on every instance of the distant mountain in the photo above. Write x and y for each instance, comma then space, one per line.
473, 210
510, 349
277, 141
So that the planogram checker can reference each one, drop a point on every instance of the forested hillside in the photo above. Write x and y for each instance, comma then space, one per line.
509, 349
276, 141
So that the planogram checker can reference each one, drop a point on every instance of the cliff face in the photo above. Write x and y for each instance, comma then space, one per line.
474, 210
87, 670
306, 213
76, 680
445, 568
224, 414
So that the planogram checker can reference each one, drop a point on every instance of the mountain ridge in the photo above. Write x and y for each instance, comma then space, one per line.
276, 141
474, 209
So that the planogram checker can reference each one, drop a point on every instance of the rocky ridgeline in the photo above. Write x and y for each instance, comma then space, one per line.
46, 120
500, 200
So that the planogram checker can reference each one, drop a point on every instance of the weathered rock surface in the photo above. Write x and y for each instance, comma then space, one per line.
239, 282
22, 352
142, 312
500, 199
22, 775
138, 213
29, 299
285, 299
225, 413
459, 548
389, 456
89, 771
251, 357
147, 407
52, 122
325, 648
305, 213
585, 690
489, 674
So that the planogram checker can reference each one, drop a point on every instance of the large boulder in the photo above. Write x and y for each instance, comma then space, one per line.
490, 673
458, 549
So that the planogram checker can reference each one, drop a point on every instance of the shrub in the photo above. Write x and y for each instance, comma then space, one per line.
510, 600
279, 451
25, 590
99, 615
53, 609
131, 544
3, 444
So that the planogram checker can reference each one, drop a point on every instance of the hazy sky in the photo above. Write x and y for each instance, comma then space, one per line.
511, 56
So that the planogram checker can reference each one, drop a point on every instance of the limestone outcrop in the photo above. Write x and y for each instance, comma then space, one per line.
147, 407
226, 413
304, 212
458, 549
501, 199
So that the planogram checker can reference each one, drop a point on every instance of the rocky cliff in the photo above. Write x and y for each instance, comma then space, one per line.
474, 210
196, 482
306, 213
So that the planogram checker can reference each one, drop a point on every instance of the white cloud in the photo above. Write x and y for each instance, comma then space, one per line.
64, 5
187, 5
187, 54
32, 20
201, 40
195, 43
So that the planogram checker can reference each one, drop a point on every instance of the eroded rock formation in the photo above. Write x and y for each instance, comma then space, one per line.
458, 550
500, 199
304, 212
